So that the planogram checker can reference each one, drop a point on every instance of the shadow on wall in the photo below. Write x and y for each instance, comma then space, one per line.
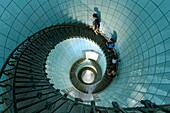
98, 13
114, 35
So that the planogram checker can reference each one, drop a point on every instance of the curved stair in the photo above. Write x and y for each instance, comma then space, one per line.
26, 87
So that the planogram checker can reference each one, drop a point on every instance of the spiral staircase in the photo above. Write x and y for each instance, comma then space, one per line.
26, 86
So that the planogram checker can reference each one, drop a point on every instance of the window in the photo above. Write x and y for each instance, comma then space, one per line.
92, 55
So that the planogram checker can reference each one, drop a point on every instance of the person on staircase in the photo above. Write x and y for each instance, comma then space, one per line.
96, 24
115, 61
113, 67
110, 44
111, 73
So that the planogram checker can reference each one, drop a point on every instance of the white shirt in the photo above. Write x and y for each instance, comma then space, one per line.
114, 61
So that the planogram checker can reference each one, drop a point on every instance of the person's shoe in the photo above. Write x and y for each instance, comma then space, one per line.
96, 33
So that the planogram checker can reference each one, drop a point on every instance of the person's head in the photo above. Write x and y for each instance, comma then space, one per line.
94, 15
112, 40
109, 71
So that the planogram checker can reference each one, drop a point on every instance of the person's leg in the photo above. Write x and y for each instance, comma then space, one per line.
109, 49
96, 31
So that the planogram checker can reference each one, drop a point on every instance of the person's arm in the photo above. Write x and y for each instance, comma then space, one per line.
96, 27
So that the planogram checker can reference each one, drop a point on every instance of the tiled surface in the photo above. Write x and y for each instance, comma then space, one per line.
143, 28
